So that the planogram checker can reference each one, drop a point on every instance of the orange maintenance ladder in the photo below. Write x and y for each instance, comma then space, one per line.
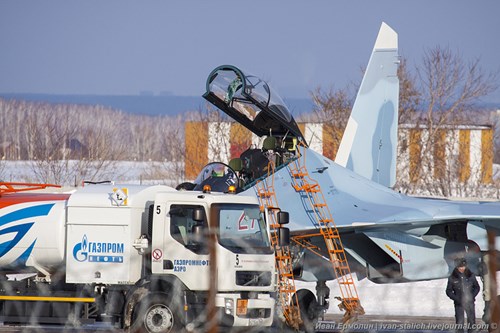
288, 299
310, 188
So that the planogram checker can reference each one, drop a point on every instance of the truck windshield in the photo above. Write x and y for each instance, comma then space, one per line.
242, 228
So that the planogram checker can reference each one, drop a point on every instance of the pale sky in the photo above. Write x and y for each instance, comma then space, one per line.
125, 47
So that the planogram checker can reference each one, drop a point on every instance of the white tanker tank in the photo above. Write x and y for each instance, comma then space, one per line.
32, 231
35, 228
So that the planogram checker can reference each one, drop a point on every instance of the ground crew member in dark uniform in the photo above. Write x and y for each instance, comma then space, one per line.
463, 288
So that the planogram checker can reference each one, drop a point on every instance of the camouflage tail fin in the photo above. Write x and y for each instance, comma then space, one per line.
369, 144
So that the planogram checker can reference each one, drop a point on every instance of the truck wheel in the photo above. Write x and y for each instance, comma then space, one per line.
308, 313
157, 313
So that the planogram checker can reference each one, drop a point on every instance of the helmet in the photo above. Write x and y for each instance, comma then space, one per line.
460, 262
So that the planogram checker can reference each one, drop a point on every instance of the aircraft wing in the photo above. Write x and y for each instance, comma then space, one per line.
391, 250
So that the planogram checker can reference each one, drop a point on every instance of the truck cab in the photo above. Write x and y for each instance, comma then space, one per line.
183, 226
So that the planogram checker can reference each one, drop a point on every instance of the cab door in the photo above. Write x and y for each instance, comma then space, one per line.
184, 252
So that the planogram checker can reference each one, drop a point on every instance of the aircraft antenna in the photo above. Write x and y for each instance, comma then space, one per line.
323, 220
288, 300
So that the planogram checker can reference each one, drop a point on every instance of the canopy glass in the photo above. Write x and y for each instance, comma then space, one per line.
250, 101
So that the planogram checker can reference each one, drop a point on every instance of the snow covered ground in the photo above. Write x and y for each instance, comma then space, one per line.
426, 298
130, 172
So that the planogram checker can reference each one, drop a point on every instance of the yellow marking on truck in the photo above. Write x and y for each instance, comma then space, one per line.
48, 299
241, 307
119, 197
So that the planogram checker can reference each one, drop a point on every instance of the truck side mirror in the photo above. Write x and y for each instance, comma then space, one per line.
198, 233
283, 217
198, 214
196, 241
284, 236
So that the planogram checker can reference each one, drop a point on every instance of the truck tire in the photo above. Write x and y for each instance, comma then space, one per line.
308, 314
157, 313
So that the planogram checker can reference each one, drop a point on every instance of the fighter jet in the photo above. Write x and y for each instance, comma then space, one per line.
388, 236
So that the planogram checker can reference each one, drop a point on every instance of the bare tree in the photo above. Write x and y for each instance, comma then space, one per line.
447, 90
51, 130
332, 108
409, 95
98, 146
2, 169
168, 168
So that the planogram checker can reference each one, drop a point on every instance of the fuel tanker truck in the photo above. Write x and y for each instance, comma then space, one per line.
139, 257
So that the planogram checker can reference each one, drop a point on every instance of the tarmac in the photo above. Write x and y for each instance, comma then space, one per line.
330, 324
407, 324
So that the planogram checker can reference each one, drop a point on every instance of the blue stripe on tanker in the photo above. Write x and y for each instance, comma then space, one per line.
21, 229
25, 213
21, 261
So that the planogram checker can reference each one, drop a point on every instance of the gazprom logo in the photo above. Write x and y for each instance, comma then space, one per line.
80, 250
98, 251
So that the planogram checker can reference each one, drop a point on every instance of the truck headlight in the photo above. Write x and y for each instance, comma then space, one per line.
229, 305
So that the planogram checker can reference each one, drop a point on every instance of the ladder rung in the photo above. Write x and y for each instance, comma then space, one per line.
299, 174
320, 205
287, 275
346, 278
307, 188
331, 235
347, 282
339, 262
340, 258
283, 268
299, 188
351, 300
290, 291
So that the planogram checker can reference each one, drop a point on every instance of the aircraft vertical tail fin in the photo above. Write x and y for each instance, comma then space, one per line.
369, 143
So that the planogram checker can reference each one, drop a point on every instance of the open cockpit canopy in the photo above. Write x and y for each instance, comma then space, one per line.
250, 101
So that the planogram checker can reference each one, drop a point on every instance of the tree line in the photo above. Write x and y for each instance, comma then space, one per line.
64, 140
37, 130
